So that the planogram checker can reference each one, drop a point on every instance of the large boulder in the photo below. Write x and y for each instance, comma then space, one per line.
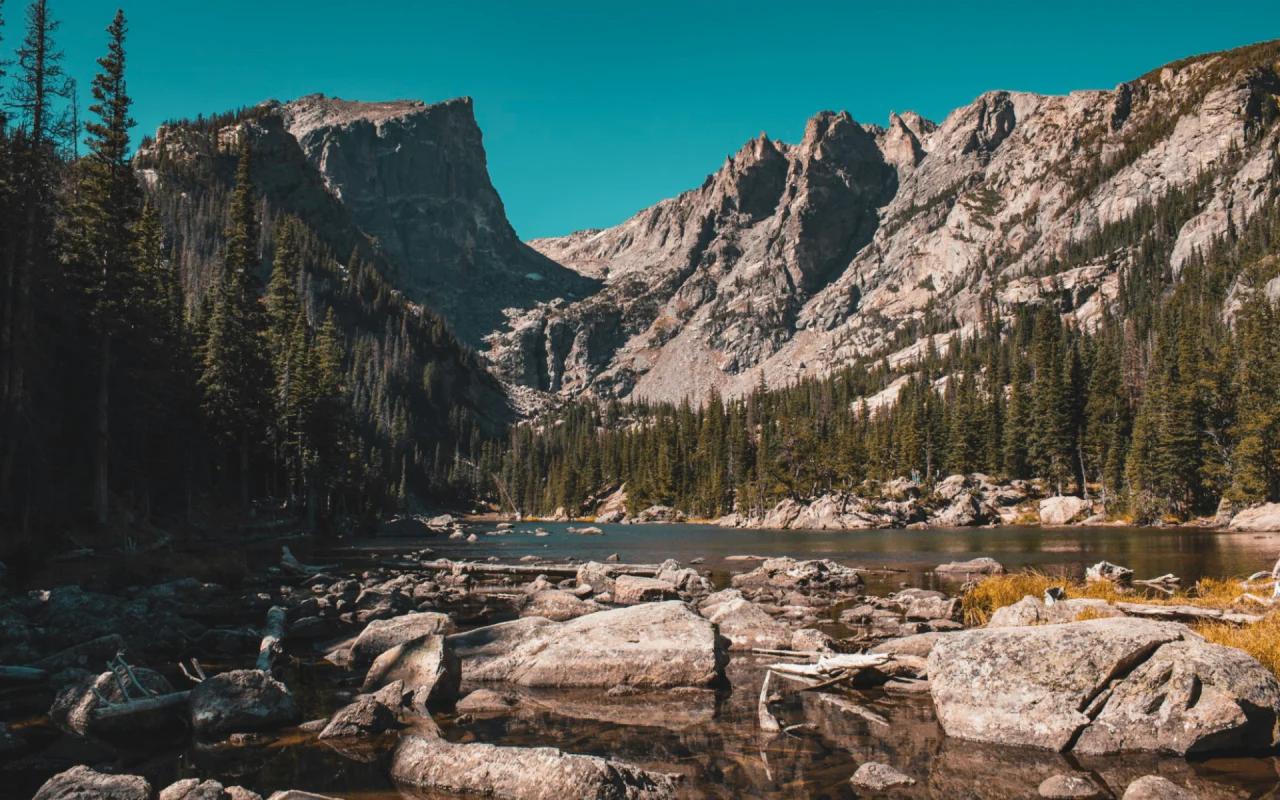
559, 606
746, 625
242, 700
630, 590
1061, 510
1033, 611
1189, 697
383, 634
518, 773
1265, 517
83, 783
599, 577
656, 644
73, 708
427, 667
1033, 685
791, 575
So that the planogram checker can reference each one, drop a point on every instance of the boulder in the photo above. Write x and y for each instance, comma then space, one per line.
369, 714
919, 645
876, 777
83, 783
1061, 510
1106, 571
427, 667
1189, 697
1154, 787
931, 608
811, 640
964, 511
559, 606
964, 569
518, 773
1032, 685
788, 574
294, 794
1265, 517
239, 701
195, 789
1033, 611
383, 634
74, 705
746, 625
656, 644
630, 590
1069, 787
483, 701
600, 577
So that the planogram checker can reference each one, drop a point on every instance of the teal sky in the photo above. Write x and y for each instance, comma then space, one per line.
593, 111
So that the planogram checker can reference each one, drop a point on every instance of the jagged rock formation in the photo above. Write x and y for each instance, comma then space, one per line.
790, 261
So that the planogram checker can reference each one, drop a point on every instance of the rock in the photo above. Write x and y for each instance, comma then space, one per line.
590, 530
381, 635
1154, 787
656, 645
687, 581
1263, 518
931, 608
517, 773
788, 574
485, 700
613, 559
194, 789
614, 507
919, 645
427, 667
1061, 510
746, 625
1189, 697
1031, 685
1106, 571
442, 521
238, 701
1069, 787
598, 576
630, 590
875, 777
964, 569
369, 714
559, 606
74, 705
83, 783
294, 794
811, 640
1032, 611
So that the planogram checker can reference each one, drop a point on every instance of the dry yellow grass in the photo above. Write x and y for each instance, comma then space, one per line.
1260, 640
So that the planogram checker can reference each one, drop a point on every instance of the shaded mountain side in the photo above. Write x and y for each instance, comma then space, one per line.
792, 261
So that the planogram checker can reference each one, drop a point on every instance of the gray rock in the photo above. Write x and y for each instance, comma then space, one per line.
964, 569
1263, 518
559, 606
368, 714
1069, 787
381, 635
483, 701
600, 577
746, 625
787, 574
1154, 787
919, 645
1106, 571
630, 590
1032, 685
83, 783
1061, 510
811, 640
1032, 611
294, 794
931, 608
244, 700
876, 777
655, 644
518, 773
427, 667
195, 789
74, 705
1189, 697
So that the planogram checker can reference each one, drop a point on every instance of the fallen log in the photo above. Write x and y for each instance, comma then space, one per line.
564, 570
23, 674
272, 636
119, 710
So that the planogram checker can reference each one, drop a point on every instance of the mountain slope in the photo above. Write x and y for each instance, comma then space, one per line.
791, 261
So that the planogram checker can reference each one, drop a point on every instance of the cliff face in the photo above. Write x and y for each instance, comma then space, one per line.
795, 260
414, 178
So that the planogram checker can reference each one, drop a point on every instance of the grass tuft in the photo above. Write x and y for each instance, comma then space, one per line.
1260, 640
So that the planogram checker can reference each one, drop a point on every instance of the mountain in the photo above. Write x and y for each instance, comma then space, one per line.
792, 261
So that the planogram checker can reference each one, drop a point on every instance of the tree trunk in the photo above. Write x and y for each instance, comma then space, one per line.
244, 468
102, 432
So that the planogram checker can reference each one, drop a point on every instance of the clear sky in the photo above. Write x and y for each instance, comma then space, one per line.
593, 111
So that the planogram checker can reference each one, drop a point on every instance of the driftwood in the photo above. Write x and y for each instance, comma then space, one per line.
140, 706
1185, 613
272, 636
852, 708
768, 722
290, 563
809, 654
565, 570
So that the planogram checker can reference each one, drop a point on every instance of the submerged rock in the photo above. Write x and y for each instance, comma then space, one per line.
239, 701
83, 783
1069, 787
876, 777
655, 644
1154, 787
516, 773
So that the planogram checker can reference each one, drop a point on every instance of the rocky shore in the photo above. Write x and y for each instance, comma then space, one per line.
417, 666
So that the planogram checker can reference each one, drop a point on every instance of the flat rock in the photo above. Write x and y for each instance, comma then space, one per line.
656, 644
1189, 697
600, 577
1032, 611
428, 668
486, 701
977, 566
1031, 685
83, 783
919, 645
559, 606
631, 590
384, 634
1069, 787
788, 574
239, 701
876, 777
1265, 517
517, 773
1154, 787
